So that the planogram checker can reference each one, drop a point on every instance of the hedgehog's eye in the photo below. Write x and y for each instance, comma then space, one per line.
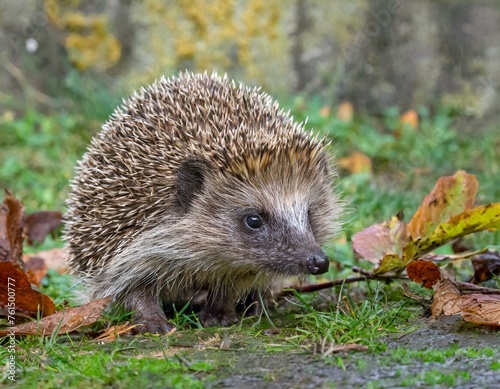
253, 221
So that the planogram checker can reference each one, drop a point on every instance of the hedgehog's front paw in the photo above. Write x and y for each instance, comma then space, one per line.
148, 315
211, 317
153, 324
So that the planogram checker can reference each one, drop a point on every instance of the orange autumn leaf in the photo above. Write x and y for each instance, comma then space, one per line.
410, 118
450, 196
424, 272
65, 321
11, 235
324, 112
356, 163
54, 259
450, 298
15, 287
112, 333
36, 269
345, 111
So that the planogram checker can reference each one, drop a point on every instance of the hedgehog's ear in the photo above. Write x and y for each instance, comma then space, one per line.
190, 179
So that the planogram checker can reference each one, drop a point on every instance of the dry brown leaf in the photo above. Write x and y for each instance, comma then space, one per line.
451, 195
447, 298
36, 269
424, 272
485, 266
110, 334
372, 243
16, 291
461, 246
481, 309
382, 243
11, 235
414, 296
55, 259
65, 321
356, 163
338, 348
345, 112
38, 225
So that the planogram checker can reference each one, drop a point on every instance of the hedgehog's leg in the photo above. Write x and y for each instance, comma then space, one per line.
218, 311
148, 314
251, 304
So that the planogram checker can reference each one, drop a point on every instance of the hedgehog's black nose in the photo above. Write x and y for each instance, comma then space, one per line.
317, 263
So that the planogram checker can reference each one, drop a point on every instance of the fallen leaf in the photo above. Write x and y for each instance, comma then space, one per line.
356, 163
483, 217
65, 321
328, 349
410, 118
447, 298
11, 235
414, 296
55, 259
424, 272
38, 225
382, 243
398, 233
481, 309
111, 334
451, 195
17, 298
485, 266
345, 111
36, 269
460, 246
390, 263
324, 111
468, 288
372, 243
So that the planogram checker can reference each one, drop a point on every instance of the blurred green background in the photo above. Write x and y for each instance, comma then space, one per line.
408, 90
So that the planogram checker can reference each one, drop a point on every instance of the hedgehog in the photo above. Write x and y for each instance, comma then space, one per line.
199, 190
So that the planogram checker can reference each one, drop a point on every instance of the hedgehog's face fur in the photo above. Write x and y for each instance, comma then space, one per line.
271, 221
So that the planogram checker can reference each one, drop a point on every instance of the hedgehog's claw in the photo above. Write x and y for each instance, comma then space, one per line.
148, 315
152, 324
210, 317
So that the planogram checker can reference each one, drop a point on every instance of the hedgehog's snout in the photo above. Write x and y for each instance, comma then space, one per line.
317, 263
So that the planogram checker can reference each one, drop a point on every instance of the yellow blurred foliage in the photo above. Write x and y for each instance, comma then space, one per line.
209, 34
87, 40
345, 112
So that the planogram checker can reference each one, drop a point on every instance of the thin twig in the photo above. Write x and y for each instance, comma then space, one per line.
331, 284
468, 288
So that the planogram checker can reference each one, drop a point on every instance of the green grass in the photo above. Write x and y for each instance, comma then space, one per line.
83, 364
152, 361
38, 157
363, 319
403, 356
